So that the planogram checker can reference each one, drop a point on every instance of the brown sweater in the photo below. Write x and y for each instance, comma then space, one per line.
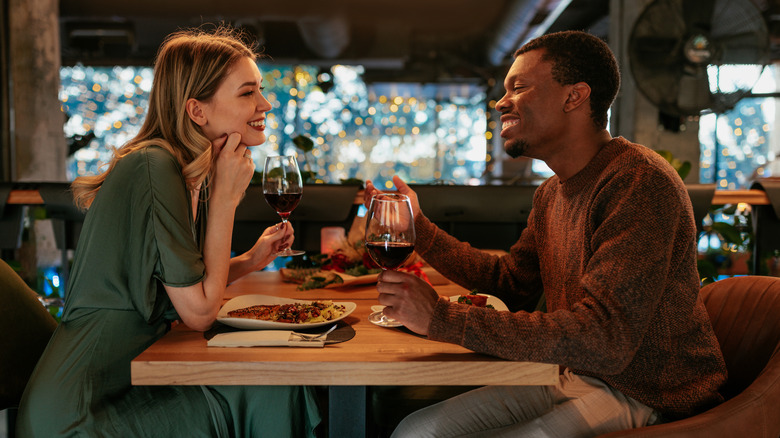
614, 250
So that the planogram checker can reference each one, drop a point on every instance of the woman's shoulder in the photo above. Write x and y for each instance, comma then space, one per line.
153, 159
146, 166
152, 154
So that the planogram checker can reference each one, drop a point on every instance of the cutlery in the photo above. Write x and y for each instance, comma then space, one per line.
315, 336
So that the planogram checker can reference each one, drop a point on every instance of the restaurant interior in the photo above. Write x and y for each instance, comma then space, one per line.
369, 90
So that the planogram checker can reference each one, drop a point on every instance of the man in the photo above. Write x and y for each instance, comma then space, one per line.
611, 243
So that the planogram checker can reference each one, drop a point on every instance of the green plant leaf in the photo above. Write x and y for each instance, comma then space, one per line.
303, 143
352, 181
276, 173
729, 210
684, 169
667, 155
729, 232
707, 271
308, 175
257, 178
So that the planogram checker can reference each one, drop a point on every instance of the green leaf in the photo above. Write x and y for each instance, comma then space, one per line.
729, 210
707, 271
257, 178
352, 181
667, 155
729, 232
276, 173
684, 169
303, 143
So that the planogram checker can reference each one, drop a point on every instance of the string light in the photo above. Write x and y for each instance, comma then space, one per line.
344, 126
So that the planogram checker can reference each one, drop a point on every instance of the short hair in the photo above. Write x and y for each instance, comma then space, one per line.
580, 57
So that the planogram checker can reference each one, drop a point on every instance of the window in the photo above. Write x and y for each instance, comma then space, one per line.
739, 146
425, 133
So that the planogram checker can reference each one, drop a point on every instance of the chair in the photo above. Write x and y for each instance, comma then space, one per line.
745, 313
25, 329
11, 220
484, 216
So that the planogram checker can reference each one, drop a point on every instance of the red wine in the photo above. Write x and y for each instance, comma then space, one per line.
283, 203
389, 255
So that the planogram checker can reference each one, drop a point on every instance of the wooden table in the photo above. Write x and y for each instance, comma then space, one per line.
753, 196
375, 356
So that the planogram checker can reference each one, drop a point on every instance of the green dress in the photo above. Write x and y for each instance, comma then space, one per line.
138, 235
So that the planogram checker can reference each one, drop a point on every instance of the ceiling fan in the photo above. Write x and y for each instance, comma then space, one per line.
694, 56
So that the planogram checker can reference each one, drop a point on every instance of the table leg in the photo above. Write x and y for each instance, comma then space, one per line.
347, 411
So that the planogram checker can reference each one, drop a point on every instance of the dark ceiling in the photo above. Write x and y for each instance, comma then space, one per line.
396, 40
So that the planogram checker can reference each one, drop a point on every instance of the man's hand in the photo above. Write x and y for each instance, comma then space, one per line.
403, 189
407, 298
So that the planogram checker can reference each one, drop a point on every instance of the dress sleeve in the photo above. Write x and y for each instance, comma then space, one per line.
180, 260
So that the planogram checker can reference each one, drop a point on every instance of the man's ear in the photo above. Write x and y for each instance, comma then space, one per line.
578, 94
195, 111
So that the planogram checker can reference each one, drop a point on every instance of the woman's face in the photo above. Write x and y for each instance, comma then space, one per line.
237, 106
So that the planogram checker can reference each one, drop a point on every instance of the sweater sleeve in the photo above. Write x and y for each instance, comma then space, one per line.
514, 278
602, 293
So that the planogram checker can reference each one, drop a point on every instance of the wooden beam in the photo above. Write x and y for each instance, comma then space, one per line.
721, 197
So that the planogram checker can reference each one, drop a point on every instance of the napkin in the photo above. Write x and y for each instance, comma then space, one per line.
344, 332
263, 338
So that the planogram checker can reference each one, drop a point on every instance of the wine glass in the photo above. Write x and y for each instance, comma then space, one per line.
283, 189
390, 230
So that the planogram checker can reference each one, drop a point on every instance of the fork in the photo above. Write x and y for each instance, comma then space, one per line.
315, 336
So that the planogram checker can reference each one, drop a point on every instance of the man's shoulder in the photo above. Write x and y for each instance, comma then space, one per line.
639, 159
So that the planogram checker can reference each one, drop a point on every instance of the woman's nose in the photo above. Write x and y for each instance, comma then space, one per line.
263, 104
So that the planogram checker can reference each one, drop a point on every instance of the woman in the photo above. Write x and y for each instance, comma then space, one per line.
146, 258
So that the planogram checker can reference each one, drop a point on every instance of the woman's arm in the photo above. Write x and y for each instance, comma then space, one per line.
197, 305
273, 240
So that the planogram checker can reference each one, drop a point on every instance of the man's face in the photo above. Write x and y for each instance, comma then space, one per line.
532, 108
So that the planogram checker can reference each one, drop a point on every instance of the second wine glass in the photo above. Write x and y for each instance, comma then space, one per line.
283, 189
390, 230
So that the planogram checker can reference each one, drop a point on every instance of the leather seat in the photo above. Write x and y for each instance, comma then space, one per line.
25, 329
745, 313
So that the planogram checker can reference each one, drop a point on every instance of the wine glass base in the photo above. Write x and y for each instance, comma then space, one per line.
289, 253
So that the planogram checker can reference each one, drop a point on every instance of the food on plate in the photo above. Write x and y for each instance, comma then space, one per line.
474, 299
296, 313
310, 279
320, 280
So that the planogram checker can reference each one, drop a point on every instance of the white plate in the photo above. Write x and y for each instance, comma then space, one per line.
495, 302
242, 301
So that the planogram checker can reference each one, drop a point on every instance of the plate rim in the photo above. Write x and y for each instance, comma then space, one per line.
257, 324
454, 299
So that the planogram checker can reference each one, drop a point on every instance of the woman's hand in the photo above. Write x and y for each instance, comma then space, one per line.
273, 240
403, 189
234, 168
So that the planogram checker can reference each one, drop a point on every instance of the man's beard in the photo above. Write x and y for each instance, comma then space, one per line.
516, 148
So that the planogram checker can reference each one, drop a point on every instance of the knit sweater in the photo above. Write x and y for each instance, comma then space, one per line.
613, 248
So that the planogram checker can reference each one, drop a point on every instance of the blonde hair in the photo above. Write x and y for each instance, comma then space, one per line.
190, 64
